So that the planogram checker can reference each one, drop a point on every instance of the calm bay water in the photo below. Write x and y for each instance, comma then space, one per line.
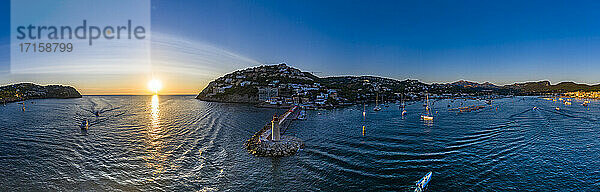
170, 143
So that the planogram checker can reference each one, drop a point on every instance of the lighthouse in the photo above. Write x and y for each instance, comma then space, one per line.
275, 136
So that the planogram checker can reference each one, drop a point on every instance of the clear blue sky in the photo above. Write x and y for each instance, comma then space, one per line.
497, 41
434, 41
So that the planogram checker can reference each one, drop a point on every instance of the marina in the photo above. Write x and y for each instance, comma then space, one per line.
261, 96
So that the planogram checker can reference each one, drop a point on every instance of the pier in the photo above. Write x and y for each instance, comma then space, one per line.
270, 141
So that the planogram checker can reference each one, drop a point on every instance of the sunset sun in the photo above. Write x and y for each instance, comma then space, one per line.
154, 85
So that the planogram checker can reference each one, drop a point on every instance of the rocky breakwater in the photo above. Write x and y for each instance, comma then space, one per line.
287, 146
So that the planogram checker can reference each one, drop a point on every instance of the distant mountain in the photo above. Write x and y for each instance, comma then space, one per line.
25, 91
546, 87
468, 84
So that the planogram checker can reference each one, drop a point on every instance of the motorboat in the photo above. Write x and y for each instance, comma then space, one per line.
423, 182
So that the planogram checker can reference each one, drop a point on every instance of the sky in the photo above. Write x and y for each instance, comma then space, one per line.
502, 42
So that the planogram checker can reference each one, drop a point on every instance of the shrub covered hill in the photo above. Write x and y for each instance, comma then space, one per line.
282, 83
25, 91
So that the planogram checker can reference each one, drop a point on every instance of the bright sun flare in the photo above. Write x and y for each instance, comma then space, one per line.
154, 85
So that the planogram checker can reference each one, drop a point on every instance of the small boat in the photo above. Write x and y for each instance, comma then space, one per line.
423, 182
557, 108
567, 103
85, 124
403, 112
402, 103
385, 104
585, 104
364, 112
302, 115
377, 107
427, 116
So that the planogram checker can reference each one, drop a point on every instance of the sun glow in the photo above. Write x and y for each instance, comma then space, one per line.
154, 85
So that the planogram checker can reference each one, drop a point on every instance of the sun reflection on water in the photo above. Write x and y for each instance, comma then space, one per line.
154, 114
156, 157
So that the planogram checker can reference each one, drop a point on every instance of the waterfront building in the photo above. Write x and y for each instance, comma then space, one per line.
266, 93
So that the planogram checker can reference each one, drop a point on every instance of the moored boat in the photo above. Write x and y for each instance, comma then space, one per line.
427, 116
377, 107
302, 115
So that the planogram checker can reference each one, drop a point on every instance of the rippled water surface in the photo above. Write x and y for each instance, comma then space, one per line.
166, 143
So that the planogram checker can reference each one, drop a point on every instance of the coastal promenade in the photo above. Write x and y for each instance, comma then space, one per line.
262, 143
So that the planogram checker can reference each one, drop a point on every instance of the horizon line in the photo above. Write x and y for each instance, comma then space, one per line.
138, 95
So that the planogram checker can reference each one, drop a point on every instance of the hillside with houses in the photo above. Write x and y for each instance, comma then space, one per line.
281, 86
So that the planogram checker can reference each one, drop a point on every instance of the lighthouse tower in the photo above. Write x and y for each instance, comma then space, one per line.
275, 135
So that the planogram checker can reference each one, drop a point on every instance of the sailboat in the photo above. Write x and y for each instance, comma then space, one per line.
385, 104
402, 105
364, 111
427, 116
376, 108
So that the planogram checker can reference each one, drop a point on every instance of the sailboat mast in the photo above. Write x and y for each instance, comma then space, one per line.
402, 98
427, 104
